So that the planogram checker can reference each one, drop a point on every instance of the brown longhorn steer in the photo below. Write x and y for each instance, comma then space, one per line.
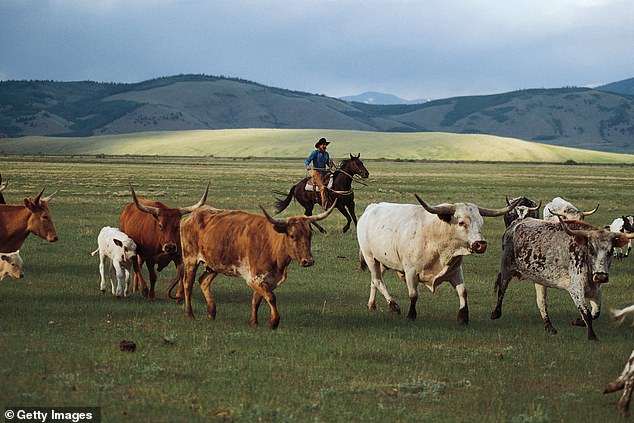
254, 247
154, 228
18, 221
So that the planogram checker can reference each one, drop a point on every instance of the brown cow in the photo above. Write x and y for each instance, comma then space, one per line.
18, 221
154, 228
254, 247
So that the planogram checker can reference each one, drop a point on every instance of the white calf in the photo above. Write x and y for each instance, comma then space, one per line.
121, 250
11, 265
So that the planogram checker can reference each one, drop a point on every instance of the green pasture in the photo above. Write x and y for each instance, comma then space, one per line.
273, 143
331, 360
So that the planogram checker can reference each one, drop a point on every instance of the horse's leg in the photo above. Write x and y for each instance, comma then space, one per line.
342, 208
308, 202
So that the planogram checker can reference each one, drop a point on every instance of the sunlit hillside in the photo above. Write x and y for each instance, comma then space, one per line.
298, 143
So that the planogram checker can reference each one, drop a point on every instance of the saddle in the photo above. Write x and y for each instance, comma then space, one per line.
313, 187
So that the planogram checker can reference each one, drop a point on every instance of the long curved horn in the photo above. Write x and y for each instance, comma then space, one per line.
323, 215
147, 209
536, 208
588, 213
49, 197
573, 232
560, 216
448, 209
185, 210
485, 212
274, 220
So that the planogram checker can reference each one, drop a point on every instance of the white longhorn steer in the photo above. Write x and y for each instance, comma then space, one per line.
422, 244
121, 250
560, 207
11, 265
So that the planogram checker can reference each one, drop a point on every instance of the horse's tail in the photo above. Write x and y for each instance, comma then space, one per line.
282, 204
362, 264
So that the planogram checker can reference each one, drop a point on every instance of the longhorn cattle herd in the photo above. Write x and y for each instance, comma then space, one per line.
422, 243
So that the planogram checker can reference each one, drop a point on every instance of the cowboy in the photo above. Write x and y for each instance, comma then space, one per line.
321, 164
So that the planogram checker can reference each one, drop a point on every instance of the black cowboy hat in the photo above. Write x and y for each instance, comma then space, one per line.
321, 141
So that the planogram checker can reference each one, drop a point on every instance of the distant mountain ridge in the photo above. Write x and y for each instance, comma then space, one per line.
622, 87
573, 117
373, 97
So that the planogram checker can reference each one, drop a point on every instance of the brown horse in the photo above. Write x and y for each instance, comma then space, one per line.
341, 190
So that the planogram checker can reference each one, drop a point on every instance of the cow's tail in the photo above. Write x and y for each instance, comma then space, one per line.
282, 203
177, 279
362, 264
94, 253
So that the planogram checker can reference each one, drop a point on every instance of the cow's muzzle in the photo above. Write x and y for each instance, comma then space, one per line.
51, 238
479, 247
307, 262
169, 248
600, 277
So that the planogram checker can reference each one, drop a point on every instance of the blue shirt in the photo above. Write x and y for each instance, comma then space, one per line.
320, 160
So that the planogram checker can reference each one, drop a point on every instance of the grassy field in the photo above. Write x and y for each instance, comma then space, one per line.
331, 359
275, 143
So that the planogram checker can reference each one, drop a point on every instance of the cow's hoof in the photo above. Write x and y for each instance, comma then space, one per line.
103, 291
550, 329
579, 322
496, 314
463, 316
372, 306
394, 308
411, 315
145, 292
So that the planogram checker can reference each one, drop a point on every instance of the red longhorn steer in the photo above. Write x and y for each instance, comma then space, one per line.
18, 221
154, 228
254, 247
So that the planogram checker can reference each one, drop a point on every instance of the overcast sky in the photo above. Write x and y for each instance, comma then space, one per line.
410, 48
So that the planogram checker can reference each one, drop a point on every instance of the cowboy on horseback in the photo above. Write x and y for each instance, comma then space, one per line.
321, 166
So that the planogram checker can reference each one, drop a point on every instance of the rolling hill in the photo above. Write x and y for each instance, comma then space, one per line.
297, 143
573, 117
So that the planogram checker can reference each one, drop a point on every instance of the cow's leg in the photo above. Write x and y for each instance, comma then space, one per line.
542, 306
189, 268
624, 402
594, 298
139, 282
126, 291
376, 275
113, 278
270, 298
501, 284
255, 305
205, 285
456, 278
411, 279
102, 268
120, 275
153, 277
577, 294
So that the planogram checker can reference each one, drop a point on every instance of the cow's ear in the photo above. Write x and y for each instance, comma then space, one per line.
281, 228
620, 242
29, 204
4, 257
117, 242
445, 217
